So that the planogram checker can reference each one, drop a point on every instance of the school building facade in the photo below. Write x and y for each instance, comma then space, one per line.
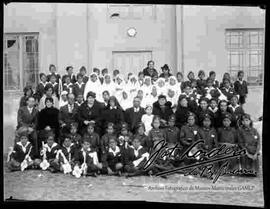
125, 37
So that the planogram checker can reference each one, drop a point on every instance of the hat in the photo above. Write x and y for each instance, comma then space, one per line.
172, 117
161, 96
165, 67
92, 94
205, 116
92, 123
190, 114
227, 115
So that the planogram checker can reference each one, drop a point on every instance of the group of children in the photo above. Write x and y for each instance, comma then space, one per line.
179, 112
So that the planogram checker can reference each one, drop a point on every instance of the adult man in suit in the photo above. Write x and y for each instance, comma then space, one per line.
67, 115
134, 114
27, 118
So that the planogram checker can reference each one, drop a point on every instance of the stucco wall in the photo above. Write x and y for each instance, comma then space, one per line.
204, 34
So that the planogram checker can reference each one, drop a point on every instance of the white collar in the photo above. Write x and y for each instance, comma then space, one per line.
50, 148
113, 107
117, 150
88, 150
23, 147
53, 84
80, 84
68, 148
30, 108
213, 110
234, 108
136, 152
44, 84
67, 84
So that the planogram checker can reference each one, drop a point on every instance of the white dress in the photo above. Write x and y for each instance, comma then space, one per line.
147, 120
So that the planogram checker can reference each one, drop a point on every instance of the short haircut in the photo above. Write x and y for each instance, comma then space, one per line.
79, 75
82, 69
148, 63
239, 72
104, 70
51, 65
68, 67
179, 73
27, 88
47, 87
41, 74
212, 73
48, 99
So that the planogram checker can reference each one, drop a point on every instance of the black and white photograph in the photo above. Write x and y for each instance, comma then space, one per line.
133, 102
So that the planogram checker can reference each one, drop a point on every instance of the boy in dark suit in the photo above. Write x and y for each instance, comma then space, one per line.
240, 87
69, 70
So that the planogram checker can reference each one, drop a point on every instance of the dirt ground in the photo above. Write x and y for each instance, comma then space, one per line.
43, 185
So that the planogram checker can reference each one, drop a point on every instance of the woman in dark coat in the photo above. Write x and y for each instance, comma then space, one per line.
48, 119
113, 113
163, 109
90, 111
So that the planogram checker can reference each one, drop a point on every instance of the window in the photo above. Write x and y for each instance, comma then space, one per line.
245, 49
21, 61
131, 11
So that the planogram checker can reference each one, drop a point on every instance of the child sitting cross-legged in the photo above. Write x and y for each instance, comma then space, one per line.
86, 160
135, 158
21, 157
48, 153
112, 159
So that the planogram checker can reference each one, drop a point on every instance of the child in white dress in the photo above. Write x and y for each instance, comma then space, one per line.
148, 118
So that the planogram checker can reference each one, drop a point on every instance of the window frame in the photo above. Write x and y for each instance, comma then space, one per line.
246, 50
21, 35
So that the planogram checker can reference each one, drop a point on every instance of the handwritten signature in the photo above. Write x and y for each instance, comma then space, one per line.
203, 166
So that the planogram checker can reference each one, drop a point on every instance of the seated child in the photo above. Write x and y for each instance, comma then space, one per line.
189, 134
227, 135
134, 158
104, 142
113, 158
92, 136
125, 137
75, 137
207, 133
172, 133
156, 134
48, 153
203, 108
21, 157
147, 118
66, 156
144, 139
86, 160
249, 139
